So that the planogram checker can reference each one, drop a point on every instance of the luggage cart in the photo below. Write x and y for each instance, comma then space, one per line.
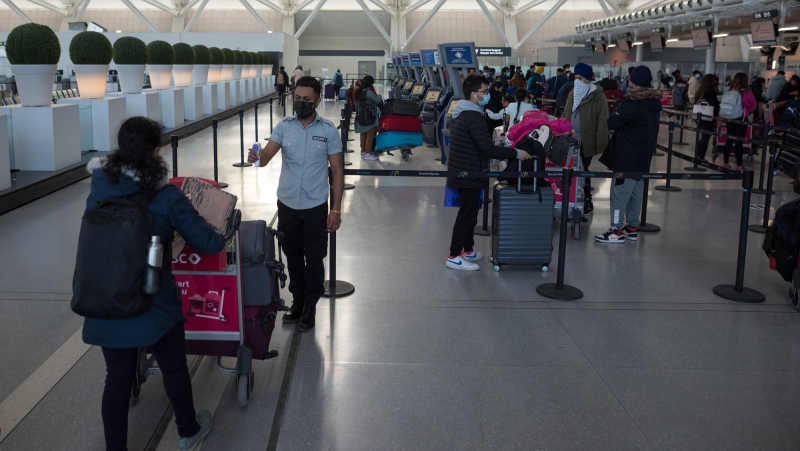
210, 287
575, 196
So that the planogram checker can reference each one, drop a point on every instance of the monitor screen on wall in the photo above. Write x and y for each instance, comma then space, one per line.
656, 43
624, 45
701, 38
599, 48
763, 32
589, 48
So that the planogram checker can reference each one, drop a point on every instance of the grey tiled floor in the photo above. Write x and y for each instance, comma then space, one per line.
422, 357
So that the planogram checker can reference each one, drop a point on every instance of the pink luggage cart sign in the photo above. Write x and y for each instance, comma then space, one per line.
666, 98
210, 303
189, 260
723, 130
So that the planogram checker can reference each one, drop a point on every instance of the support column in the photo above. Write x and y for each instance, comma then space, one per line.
288, 25
178, 22
510, 27
398, 33
639, 53
711, 56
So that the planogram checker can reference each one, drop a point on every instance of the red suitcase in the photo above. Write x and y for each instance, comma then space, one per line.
394, 123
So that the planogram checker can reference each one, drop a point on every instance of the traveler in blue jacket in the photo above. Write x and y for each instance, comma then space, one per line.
137, 167
337, 82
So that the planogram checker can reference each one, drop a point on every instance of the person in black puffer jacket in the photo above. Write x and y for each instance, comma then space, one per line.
636, 122
494, 110
470, 149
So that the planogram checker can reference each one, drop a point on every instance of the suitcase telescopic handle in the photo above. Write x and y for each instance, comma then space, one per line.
519, 178
235, 220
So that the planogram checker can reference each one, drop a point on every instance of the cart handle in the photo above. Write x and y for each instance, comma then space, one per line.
235, 221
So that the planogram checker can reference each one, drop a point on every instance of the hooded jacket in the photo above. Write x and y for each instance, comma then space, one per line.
594, 114
471, 146
170, 211
775, 87
636, 122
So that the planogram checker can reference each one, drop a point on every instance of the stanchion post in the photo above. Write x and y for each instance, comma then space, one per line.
697, 134
484, 229
762, 228
738, 292
241, 163
644, 227
682, 121
343, 135
559, 290
270, 116
174, 140
760, 189
335, 288
668, 186
255, 113
214, 124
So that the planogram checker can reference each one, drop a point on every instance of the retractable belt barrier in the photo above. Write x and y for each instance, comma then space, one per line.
555, 173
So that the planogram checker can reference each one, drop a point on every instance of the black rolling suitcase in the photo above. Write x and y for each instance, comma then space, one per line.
522, 225
401, 108
262, 279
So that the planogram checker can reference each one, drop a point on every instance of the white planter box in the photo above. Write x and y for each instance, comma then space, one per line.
182, 75
45, 138
215, 73
235, 93
193, 103
107, 115
34, 83
227, 72
243, 94
5, 163
145, 104
91, 80
200, 74
210, 98
171, 106
131, 77
224, 95
160, 75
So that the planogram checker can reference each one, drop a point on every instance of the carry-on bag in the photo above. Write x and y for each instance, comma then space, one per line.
330, 93
261, 273
401, 107
394, 123
522, 225
394, 140
342, 93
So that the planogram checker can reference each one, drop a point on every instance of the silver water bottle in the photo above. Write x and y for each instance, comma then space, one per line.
155, 255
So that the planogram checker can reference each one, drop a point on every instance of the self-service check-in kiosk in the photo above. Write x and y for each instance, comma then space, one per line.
456, 57
420, 86
430, 111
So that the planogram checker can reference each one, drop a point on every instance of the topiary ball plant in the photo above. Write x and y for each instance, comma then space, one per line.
202, 54
247, 58
129, 50
230, 57
217, 56
160, 52
184, 53
33, 44
238, 57
90, 47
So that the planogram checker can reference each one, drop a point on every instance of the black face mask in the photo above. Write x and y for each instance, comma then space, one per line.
304, 110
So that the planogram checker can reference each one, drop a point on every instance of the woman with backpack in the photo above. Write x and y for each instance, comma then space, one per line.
706, 94
739, 93
515, 111
138, 169
366, 105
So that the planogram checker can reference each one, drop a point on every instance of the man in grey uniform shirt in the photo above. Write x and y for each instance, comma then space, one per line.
310, 144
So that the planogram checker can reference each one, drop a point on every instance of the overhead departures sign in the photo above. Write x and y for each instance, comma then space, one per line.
458, 56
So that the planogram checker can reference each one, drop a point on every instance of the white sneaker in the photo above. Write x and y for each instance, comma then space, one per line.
473, 256
460, 262
370, 157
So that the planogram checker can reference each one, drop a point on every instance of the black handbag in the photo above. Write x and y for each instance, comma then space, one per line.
609, 155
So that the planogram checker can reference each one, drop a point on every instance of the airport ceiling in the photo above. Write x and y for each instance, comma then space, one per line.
290, 6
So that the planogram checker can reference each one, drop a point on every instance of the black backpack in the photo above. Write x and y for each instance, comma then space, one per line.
790, 118
782, 240
365, 111
108, 282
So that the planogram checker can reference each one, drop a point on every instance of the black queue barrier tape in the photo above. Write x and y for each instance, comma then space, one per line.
732, 175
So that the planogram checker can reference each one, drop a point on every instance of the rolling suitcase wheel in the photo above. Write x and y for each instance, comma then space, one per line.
496, 268
244, 385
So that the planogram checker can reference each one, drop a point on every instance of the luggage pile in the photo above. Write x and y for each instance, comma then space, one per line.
399, 127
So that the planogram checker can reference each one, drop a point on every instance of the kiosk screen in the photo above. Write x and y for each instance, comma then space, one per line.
408, 84
433, 96
452, 107
418, 90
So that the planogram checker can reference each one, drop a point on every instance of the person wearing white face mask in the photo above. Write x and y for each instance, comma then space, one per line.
694, 82
587, 109
470, 149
